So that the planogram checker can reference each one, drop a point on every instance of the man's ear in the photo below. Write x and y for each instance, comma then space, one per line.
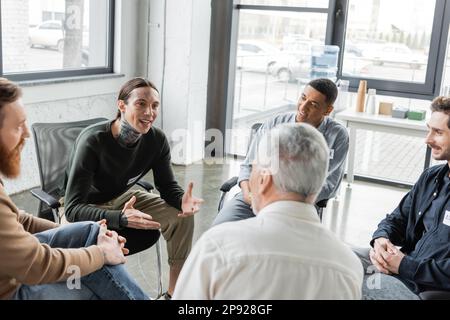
121, 105
265, 181
329, 110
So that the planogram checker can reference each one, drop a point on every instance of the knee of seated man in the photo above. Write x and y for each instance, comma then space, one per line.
72, 235
80, 227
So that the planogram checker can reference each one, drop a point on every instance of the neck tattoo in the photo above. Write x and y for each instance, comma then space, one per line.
128, 136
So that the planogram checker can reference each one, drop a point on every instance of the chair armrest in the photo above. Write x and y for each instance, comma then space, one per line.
230, 183
322, 203
46, 198
146, 185
435, 295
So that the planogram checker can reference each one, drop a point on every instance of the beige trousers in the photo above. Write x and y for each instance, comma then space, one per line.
178, 232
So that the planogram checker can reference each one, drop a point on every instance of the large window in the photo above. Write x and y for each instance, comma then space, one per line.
381, 44
273, 59
293, 3
445, 88
392, 44
55, 38
400, 47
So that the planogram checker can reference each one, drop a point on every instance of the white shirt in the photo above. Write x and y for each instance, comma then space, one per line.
282, 253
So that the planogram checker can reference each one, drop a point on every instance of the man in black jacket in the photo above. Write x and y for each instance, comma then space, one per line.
420, 225
110, 157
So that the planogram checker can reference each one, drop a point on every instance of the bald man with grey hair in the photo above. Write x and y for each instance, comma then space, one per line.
285, 242
297, 160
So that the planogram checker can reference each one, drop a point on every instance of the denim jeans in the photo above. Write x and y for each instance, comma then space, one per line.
380, 286
234, 210
107, 283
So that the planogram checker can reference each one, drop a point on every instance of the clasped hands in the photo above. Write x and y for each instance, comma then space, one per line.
385, 256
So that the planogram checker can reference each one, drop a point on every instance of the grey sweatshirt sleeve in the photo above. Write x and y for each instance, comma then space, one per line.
246, 166
338, 154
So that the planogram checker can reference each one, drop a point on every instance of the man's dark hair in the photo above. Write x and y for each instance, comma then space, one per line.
130, 85
325, 87
9, 92
441, 104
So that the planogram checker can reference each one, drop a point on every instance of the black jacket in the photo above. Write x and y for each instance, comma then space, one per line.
426, 265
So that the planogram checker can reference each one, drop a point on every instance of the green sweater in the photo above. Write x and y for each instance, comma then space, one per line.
100, 170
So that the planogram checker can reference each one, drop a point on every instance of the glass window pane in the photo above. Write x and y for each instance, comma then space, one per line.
290, 3
445, 88
388, 39
273, 61
54, 35
389, 156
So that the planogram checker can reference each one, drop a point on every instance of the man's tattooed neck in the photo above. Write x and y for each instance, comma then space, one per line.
128, 136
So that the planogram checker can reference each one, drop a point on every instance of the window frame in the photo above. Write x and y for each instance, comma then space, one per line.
433, 78
222, 61
221, 85
330, 10
44, 75
223, 45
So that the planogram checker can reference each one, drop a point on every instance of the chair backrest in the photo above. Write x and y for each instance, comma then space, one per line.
253, 131
231, 183
54, 143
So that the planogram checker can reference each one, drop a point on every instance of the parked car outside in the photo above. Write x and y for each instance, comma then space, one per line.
394, 53
300, 47
259, 56
49, 34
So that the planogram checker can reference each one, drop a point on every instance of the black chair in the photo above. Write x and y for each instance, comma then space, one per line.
232, 182
320, 205
54, 143
434, 295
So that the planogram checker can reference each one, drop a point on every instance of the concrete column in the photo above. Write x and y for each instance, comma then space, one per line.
178, 63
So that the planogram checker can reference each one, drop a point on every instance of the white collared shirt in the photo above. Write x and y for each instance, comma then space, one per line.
282, 253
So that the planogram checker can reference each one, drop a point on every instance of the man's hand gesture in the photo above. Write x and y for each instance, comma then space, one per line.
189, 204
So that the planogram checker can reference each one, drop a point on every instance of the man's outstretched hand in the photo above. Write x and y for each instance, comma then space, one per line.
189, 204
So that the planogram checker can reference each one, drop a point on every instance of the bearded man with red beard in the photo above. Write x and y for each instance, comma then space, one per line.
30, 265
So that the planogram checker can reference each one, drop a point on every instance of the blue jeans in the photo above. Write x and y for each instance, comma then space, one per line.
380, 286
108, 283
234, 210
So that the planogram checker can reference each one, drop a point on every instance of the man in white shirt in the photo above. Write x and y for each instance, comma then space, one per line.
284, 252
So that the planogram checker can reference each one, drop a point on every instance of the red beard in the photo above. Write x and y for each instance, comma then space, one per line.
10, 161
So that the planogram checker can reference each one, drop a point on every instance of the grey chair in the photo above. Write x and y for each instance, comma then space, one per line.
53, 143
232, 182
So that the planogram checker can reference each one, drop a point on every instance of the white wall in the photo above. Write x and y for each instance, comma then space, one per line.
71, 101
139, 51
186, 55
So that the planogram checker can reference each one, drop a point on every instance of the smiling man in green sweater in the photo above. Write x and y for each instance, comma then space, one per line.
110, 157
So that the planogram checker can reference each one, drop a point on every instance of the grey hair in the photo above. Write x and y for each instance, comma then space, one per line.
297, 157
